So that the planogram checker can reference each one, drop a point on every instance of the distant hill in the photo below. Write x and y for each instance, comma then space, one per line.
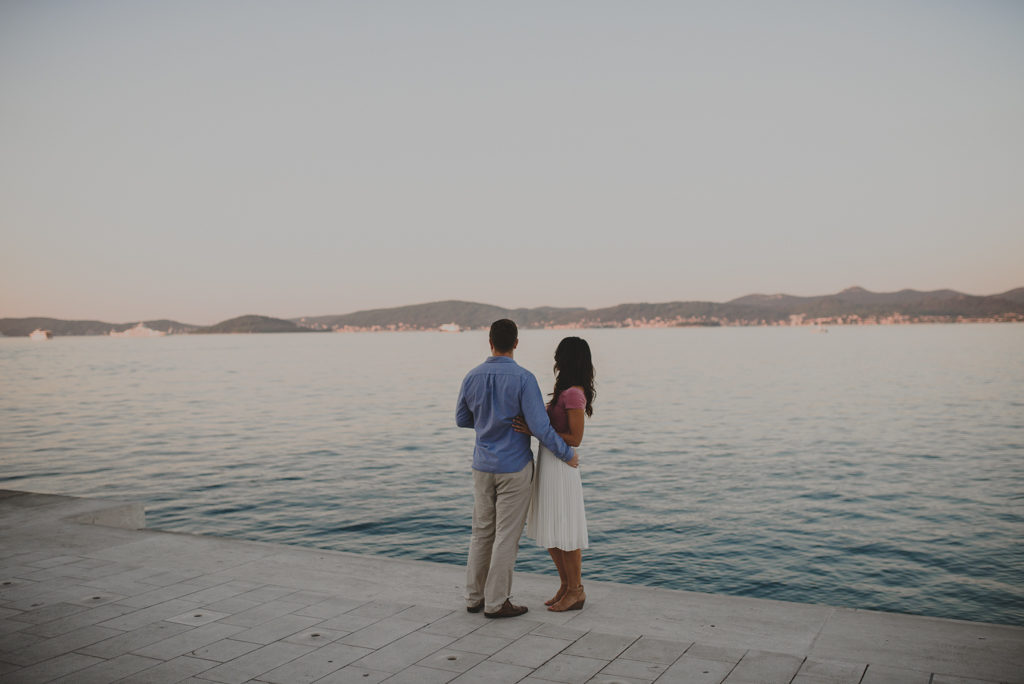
434, 314
252, 324
21, 327
851, 305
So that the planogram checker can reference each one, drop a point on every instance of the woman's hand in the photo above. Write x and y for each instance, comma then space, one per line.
519, 425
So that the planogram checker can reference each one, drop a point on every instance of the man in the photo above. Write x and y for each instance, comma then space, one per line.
492, 395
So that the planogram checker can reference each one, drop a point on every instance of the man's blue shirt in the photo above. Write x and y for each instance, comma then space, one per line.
494, 393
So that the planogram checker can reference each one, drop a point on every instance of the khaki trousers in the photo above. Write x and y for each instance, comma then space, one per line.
500, 504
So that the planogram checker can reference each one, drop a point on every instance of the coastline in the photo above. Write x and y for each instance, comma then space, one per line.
88, 590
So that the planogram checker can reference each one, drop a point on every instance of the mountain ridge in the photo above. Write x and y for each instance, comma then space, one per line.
852, 305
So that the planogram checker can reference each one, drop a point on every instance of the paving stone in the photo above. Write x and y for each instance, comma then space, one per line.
882, 674
268, 593
601, 646
829, 672
692, 670
451, 660
93, 598
761, 667
724, 653
348, 623
651, 650
51, 669
15, 642
161, 595
126, 642
479, 643
120, 586
948, 679
601, 678
276, 629
224, 650
458, 624
422, 675
8, 626
315, 637
208, 581
509, 628
570, 668
181, 644
166, 578
147, 616
222, 591
109, 670
253, 664
559, 632
329, 608
78, 620
355, 675
262, 613
408, 650
198, 617
634, 669
171, 672
231, 606
47, 613
379, 609
315, 665
309, 598
28, 596
530, 650
424, 614
490, 672
65, 643
381, 633
56, 560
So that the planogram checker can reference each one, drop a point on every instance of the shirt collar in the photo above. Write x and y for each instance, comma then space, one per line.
499, 359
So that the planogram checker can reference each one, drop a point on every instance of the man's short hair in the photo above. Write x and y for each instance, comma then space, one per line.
504, 334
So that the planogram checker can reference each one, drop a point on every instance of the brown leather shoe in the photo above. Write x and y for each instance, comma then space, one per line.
507, 610
477, 608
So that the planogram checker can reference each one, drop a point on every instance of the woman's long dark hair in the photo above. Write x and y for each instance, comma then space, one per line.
573, 366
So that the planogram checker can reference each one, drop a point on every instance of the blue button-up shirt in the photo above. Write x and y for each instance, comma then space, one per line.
494, 393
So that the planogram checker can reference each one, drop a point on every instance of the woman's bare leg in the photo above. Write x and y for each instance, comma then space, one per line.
557, 555
574, 596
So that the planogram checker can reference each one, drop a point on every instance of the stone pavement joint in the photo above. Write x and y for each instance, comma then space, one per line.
85, 599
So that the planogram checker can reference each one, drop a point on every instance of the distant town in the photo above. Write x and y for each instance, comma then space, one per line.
691, 322
853, 306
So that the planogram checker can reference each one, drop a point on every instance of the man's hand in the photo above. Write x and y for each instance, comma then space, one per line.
575, 460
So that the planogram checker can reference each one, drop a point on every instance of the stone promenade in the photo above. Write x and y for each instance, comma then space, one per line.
86, 597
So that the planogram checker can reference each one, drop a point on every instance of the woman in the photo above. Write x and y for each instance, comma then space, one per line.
556, 519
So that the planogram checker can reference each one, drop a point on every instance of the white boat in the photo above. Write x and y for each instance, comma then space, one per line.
139, 330
40, 335
450, 327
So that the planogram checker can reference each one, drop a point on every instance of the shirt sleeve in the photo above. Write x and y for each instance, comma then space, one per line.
573, 398
463, 416
537, 420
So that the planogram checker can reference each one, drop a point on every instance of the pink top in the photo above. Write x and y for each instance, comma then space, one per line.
571, 398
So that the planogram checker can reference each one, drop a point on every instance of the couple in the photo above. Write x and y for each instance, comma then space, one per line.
502, 402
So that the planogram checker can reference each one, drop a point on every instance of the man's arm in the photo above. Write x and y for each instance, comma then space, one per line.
540, 425
463, 416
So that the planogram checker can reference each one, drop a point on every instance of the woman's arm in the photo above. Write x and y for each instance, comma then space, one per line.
575, 434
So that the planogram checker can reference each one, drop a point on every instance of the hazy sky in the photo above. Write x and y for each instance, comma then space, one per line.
202, 160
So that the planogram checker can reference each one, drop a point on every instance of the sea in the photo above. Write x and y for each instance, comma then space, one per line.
866, 467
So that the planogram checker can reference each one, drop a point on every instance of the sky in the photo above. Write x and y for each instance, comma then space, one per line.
200, 160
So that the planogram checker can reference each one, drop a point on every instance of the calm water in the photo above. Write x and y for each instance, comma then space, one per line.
869, 467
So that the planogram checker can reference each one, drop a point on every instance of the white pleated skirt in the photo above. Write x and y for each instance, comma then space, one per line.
556, 518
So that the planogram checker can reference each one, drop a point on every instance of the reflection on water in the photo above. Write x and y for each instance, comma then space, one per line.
871, 467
